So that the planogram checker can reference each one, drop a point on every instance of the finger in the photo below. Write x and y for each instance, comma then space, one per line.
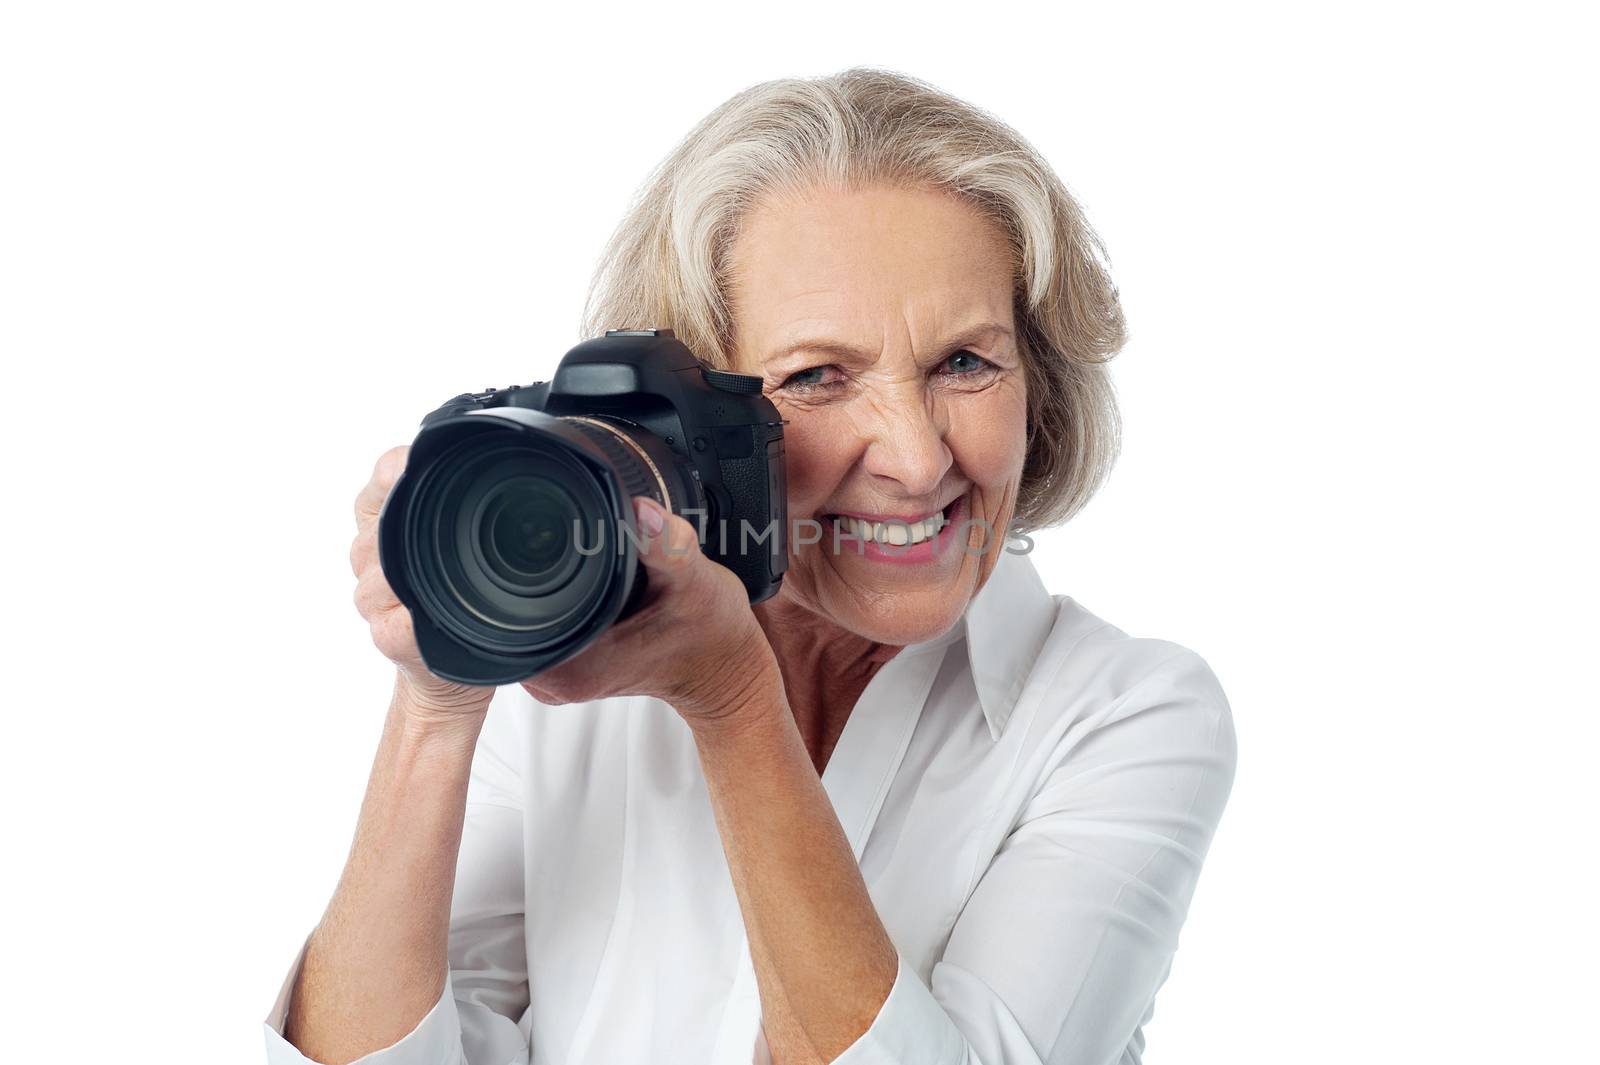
393, 636
561, 686
531, 686
363, 550
387, 470
373, 595
670, 548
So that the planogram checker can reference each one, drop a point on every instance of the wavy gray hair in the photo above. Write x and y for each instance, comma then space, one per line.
665, 265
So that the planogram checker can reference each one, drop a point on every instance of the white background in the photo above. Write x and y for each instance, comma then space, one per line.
244, 247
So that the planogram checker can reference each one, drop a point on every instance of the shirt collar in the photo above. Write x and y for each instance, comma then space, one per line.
1004, 628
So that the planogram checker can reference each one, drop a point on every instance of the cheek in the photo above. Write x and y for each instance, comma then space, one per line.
989, 437
817, 447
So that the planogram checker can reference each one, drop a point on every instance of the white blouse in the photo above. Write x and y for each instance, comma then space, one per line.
1029, 796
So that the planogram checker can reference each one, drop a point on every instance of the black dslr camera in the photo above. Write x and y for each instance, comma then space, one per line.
510, 537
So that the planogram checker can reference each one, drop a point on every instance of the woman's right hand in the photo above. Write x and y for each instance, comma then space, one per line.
431, 699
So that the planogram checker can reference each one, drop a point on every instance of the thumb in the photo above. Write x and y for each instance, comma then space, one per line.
669, 545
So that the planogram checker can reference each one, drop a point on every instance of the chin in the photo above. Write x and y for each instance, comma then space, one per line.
900, 617
902, 633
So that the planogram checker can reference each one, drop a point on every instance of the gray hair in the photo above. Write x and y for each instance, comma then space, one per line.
665, 265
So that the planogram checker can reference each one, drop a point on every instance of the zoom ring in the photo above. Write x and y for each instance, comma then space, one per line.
639, 478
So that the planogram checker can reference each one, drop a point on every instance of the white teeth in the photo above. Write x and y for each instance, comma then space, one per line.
894, 533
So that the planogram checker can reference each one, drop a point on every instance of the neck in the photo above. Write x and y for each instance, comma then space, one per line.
806, 643
825, 669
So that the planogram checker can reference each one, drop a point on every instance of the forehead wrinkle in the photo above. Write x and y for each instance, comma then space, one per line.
827, 344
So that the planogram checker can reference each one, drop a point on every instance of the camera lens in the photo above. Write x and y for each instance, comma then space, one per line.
524, 527
509, 538
516, 538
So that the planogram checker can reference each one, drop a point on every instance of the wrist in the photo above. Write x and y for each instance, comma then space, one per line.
752, 699
430, 719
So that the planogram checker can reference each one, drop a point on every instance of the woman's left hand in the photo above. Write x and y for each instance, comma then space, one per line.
694, 642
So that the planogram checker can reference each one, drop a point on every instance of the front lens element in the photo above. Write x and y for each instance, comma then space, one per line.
518, 541
524, 529
511, 538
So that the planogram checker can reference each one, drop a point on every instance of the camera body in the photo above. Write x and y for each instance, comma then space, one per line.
479, 560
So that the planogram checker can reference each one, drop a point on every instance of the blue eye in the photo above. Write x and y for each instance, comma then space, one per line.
965, 362
809, 376
811, 379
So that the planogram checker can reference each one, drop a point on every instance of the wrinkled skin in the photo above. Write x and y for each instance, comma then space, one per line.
929, 406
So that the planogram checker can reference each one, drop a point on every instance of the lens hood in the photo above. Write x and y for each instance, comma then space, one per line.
486, 608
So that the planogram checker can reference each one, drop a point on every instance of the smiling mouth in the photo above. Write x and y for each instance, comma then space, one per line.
895, 532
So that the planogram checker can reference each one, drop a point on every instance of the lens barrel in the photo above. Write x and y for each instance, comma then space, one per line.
511, 536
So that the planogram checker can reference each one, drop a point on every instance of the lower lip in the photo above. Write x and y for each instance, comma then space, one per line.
936, 548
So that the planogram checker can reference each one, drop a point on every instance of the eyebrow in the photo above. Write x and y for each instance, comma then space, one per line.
840, 349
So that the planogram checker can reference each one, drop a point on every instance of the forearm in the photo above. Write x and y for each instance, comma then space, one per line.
821, 954
375, 965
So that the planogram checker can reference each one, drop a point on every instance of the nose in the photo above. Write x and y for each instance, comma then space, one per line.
906, 453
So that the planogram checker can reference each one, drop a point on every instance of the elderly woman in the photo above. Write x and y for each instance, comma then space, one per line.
913, 809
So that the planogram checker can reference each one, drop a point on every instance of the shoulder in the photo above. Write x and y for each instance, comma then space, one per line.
1092, 676
1134, 729
1090, 647
1049, 668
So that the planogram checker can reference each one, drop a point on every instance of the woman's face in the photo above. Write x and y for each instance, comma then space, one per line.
881, 322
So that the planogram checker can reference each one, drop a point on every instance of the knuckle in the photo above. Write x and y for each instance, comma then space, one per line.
390, 464
373, 596
392, 635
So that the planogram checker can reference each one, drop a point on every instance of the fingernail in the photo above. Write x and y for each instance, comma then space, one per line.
650, 515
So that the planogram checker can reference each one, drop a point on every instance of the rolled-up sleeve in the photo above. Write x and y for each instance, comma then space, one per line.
1059, 952
481, 1017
